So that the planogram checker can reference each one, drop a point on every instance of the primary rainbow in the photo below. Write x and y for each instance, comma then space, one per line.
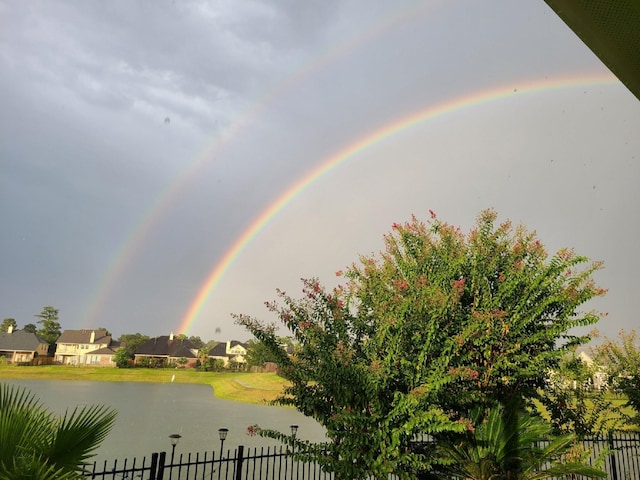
364, 143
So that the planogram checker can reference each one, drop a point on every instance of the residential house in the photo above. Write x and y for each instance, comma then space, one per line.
78, 347
233, 353
19, 346
599, 377
167, 350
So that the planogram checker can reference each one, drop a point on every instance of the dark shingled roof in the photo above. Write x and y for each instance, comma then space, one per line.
20, 341
220, 350
104, 351
164, 347
84, 336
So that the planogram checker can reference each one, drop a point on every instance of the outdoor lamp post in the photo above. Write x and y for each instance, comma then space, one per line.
294, 430
222, 433
175, 438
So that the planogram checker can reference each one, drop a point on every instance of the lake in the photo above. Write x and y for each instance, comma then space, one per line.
149, 412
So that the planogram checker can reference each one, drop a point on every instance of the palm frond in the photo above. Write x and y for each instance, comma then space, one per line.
78, 434
23, 422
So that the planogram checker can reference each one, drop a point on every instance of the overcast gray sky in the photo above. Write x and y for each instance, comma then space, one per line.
140, 141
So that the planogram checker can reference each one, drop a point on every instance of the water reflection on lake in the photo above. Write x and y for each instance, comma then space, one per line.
149, 412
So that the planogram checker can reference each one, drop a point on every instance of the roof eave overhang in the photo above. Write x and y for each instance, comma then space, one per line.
611, 29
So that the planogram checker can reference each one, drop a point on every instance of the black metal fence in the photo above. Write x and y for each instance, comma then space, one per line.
251, 463
618, 455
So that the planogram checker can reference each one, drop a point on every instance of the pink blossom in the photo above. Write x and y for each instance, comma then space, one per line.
304, 325
401, 284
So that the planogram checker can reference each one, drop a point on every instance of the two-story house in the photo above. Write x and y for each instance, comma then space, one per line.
233, 353
79, 347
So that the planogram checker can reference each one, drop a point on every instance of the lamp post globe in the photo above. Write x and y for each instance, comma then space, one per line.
222, 433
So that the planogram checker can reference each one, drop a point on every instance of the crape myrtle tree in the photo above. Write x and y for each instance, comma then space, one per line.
439, 324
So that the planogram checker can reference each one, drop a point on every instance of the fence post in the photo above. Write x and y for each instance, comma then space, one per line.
238, 465
154, 466
161, 462
612, 458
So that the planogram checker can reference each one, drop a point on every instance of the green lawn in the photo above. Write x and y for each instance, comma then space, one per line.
237, 386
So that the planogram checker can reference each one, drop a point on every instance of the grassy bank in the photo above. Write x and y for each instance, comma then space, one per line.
236, 386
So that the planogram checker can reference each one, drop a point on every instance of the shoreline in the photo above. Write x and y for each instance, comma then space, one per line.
255, 388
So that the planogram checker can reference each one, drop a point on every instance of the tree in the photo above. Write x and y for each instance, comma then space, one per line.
182, 361
8, 322
209, 364
106, 332
132, 340
437, 325
126, 353
30, 327
622, 359
203, 356
196, 341
50, 329
38, 445
258, 353
123, 357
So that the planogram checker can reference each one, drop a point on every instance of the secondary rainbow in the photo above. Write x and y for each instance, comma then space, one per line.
352, 150
134, 241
